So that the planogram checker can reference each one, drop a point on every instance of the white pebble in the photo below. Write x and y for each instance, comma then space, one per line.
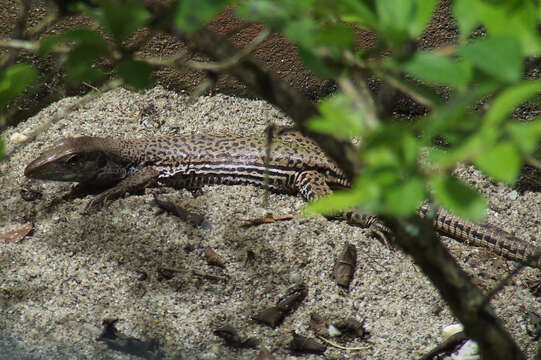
451, 330
513, 195
18, 138
468, 351
333, 331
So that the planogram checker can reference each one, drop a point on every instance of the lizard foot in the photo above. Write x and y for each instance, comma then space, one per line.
98, 203
376, 226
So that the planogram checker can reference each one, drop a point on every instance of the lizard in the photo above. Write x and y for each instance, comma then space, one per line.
294, 164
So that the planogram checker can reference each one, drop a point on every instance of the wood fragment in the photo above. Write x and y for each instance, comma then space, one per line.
18, 235
267, 219
345, 265
231, 337
294, 296
352, 326
305, 345
213, 258
318, 325
273, 316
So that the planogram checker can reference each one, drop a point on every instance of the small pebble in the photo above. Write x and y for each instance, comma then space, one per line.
17, 138
333, 331
513, 195
468, 351
451, 330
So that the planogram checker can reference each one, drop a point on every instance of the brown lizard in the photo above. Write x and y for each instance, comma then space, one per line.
296, 165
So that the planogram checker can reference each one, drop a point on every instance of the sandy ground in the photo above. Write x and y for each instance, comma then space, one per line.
74, 271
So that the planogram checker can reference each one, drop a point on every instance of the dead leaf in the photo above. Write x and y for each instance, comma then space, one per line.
18, 235
213, 258
345, 265
274, 315
232, 338
305, 345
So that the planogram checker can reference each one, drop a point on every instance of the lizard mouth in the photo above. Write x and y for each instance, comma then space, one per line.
42, 168
32, 170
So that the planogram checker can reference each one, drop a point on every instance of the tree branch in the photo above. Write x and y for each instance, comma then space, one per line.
465, 299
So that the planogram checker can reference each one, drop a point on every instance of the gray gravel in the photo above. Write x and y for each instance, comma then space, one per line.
74, 271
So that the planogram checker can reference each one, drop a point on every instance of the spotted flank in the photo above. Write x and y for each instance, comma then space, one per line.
296, 164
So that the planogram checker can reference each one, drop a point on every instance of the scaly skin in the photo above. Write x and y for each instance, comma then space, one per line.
296, 165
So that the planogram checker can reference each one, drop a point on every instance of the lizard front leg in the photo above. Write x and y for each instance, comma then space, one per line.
137, 181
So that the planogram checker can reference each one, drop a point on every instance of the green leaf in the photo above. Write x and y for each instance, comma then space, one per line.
503, 162
466, 16
500, 56
318, 65
501, 18
422, 93
77, 36
504, 104
301, 31
79, 64
89, 46
80, 72
393, 146
526, 136
135, 73
121, 18
399, 17
457, 197
453, 115
268, 12
2, 149
333, 204
338, 118
466, 151
358, 12
191, 15
337, 35
433, 68
405, 198
422, 15
14, 80
513, 19
395, 14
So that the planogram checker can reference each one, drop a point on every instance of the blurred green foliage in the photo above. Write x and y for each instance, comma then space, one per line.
402, 166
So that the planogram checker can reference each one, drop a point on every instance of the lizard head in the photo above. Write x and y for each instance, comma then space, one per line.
79, 159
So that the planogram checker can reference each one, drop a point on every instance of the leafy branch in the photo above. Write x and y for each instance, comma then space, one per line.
483, 78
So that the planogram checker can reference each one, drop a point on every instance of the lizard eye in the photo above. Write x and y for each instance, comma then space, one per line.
73, 160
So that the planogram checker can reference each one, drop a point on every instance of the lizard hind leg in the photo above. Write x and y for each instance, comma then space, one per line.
312, 185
